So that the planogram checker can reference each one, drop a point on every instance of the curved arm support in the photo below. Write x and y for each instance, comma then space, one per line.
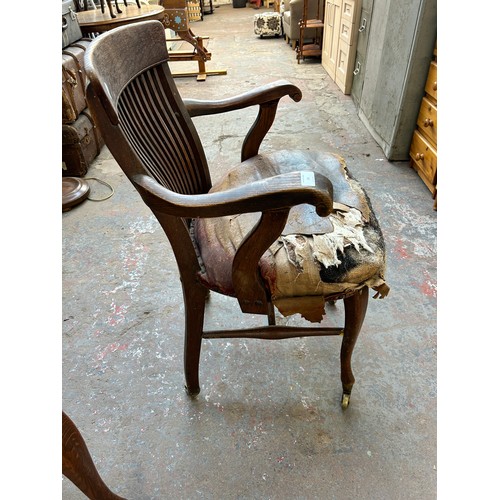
273, 197
259, 129
273, 193
247, 282
266, 96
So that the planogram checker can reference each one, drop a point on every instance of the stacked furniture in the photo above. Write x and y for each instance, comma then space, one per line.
311, 30
194, 10
423, 149
268, 3
293, 12
207, 7
81, 139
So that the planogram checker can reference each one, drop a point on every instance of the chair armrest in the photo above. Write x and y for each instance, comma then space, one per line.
273, 197
266, 96
261, 95
274, 193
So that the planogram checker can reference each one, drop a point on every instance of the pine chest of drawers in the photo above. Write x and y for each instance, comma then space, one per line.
423, 149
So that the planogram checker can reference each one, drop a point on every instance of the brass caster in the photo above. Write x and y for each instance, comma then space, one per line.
345, 400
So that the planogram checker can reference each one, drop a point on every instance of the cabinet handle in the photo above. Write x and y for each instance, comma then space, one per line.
435, 86
363, 25
419, 156
428, 123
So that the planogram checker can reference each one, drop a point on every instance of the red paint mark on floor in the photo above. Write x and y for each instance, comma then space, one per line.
400, 249
131, 262
428, 287
111, 348
119, 309
118, 313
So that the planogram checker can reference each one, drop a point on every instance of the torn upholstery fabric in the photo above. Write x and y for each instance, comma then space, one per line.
315, 259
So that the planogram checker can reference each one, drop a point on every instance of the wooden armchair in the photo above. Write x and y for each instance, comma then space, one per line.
290, 230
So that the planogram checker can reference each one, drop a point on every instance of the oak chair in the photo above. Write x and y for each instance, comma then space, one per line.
290, 229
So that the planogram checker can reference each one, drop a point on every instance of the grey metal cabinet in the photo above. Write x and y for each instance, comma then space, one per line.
361, 48
395, 47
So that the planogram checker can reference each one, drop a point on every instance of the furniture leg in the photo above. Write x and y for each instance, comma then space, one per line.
194, 305
355, 310
110, 7
202, 71
117, 7
271, 317
78, 466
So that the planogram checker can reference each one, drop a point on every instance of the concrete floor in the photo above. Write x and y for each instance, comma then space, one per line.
267, 423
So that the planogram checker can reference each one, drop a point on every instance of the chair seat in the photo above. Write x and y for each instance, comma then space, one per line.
315, 259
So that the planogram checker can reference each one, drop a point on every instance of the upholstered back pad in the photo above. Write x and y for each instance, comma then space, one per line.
315, 258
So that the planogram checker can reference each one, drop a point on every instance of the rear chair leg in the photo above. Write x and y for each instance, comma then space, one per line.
355, 309
194, 307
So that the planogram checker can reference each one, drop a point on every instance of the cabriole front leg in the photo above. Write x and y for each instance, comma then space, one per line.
355, 309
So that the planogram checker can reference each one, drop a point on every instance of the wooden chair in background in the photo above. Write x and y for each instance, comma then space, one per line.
177, 20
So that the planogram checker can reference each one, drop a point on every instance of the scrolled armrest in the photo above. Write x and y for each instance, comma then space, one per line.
274, 193
261, 95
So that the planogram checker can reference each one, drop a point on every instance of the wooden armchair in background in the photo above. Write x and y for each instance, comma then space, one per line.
177, 20
290, 229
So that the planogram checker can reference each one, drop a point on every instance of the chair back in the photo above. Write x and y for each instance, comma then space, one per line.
139, 110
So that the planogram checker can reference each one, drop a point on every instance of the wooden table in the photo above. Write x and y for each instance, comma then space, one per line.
94, 21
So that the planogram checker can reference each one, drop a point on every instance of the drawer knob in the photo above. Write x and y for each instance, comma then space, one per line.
435, 86
419, 156
428, 123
